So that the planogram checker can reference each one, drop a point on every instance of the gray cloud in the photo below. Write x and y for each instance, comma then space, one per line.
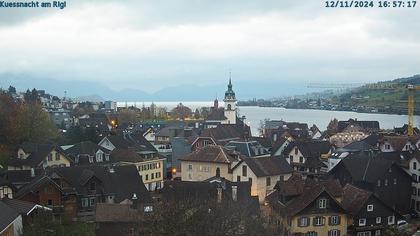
151, 45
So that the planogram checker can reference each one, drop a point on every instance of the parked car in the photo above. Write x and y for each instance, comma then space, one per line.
402, 224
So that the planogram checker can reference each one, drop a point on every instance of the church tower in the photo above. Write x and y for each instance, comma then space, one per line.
230, 104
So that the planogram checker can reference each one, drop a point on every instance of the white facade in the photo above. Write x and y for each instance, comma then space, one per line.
414, 171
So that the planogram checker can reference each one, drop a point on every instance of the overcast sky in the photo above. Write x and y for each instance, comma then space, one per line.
153, 44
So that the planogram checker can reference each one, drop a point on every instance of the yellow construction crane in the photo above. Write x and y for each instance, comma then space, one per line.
411, 89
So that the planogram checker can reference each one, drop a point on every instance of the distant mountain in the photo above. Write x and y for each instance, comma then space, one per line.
415, 80
183, 92
90, 98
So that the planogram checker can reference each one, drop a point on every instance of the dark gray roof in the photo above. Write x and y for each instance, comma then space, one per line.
7, 216
356, 146
22, 207
125, 155
123, 181
85, 148
212, 153
313, 148
365, 167
248, 148
268, 166
38, 153
367, 125
137, 141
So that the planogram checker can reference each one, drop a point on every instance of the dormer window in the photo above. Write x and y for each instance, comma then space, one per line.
387, 146
57, 156
92, 186
414, 165
106, 157
322, 203
50, 157
76, 159
90, 159
99, 157
370, 207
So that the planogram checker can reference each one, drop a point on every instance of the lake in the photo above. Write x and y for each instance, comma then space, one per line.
320, 118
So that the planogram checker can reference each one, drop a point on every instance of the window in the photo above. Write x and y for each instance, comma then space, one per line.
334, 232
378, 220
322, 203
318, 221
92, 201
268, 181
244, 170
92, 186
50, 202
391, 220
98, 157
414, 191
387, 146
335, 220
189, 167
303, 221
386, 182
85, 202
50, 157
90, 159
395, 181
296, 150
106, 157
250, 181
414, 165
238, 178
365, 233
57, 156
362, 222
301, 159
379, 183
152, 176
147, 177
370, 207
311, 233
414, 177
377, 232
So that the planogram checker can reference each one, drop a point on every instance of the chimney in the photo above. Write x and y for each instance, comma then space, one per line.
219, 194
32, 172
134, 199
235, 193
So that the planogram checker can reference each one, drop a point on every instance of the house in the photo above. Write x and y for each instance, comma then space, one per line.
248, 148
32, 155
19, 178
88, 153
10, 221
414, 171
307, 156
28, 210
44, 191
399, 143
384, 177
403, 130
216, 189
314, 132
6, 188
133, 141
118, 219
370, 216
274, 129
307, 207
99, 184
151, 170
202, 141
262, 173
208, 162
367, 126
279, 146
